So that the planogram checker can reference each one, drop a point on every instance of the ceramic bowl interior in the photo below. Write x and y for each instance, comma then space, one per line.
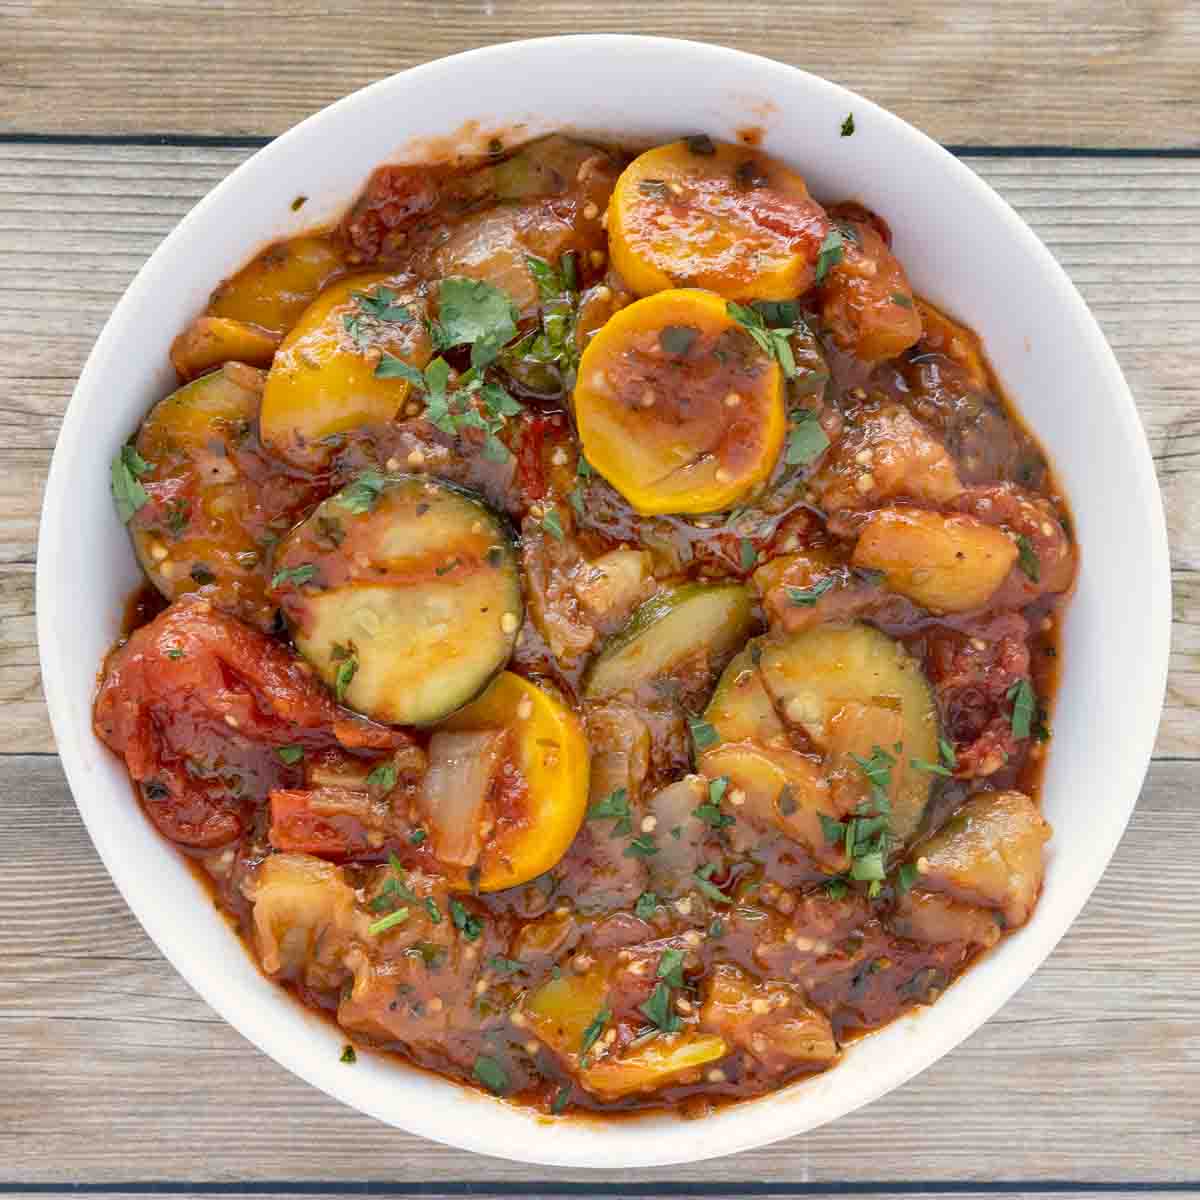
963, 247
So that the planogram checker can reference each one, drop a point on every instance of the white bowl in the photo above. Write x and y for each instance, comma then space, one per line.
963, 247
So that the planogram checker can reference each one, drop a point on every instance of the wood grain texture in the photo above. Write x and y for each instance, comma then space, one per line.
1100, 73
114, 1070
1125, 231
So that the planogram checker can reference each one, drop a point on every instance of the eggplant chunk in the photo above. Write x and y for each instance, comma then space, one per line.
404, 594
988, 855
680, 631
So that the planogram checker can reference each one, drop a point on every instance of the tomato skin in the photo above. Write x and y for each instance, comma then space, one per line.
297, 828
198, 704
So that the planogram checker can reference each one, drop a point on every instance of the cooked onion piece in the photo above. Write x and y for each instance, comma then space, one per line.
677, 407
210, 341
699, 213
323, 379
404, 594
513, 786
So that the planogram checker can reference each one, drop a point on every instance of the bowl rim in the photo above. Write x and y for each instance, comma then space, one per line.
490, 1134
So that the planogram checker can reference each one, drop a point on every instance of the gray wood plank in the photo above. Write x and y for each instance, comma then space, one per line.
1125, 231
1103, 72
115, 1070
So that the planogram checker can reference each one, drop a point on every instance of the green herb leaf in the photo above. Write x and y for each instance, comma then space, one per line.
946, 750
614, 806
127, 492
1024, 702
467, 924
348, 1055
360, 496
594, 1029
506, 966
904, 301
431, 907
807, 597
657, 1010
710, 812
701, 879
831, 253
491, 1074
836, 888
670, 968
552, 524
778, 314
906, 877
848, 126
417, 837
806, 440
295, 575
175, 653
393, 918
1027, 558
642, 846
646, 906
832, 830
290, 754
382, 305
391, 367
383, 777
476, 313
347, 669
703, 734
559, 1103
717, 928
749, 555
919, 764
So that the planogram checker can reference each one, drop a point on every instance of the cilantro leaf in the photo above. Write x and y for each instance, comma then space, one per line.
391, 367
831, 253
703, 734
614, 806
476, 313
1027, 558
465, 922
360, 496
848, 126
701, 879
127, 492
906, 877
299, 576
670, 968
1024, 702
807, 597
594, 1029
552, 524
642, 846
646, 906
657, 1009
806, 441
383, 777
491, 1074
290, 754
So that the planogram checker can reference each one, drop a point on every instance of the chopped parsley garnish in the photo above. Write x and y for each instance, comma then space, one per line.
175, 653
552, 524
491, 1074
417, 837
806, 440
677, 339
347, 1055
902, 300
614, 806
657, 1009
360, 496
906, 877
290, 754
646, 906
702, 879
831, 253
774, 343
642, 846
383, 777
807, 597
431, 907
475, 313
385, 923
703, 734
710, 811
179, 513
506, 966
559, 1103
832, 830
371, 309
749, 555
295, 575
836, 888
1024, 702
670, 968
948, 760
1027, 558
594, 1029
848, 126
347, 662
127, 491
467, 924
554, 344
717, 928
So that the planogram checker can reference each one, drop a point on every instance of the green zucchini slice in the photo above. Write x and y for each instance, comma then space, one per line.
852, 690
696, 623
404, 593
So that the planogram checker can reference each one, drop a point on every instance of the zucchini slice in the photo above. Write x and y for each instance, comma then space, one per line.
853, 689
404, 593
697, 622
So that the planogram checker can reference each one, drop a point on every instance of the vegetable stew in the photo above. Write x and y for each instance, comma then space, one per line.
605, 624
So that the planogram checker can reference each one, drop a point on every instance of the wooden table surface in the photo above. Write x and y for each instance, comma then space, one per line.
116, 116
